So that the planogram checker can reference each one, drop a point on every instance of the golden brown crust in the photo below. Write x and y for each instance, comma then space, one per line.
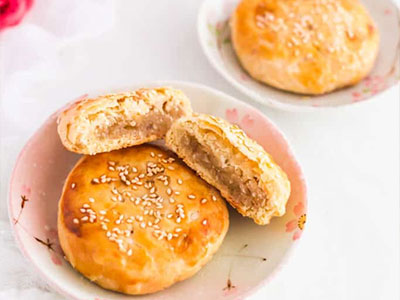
162, 238
116, 121
237, 166
305, 46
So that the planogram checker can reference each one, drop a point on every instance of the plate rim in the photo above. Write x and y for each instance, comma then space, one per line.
179, 84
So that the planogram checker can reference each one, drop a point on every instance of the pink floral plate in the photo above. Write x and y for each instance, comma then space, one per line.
250, 254
214, 36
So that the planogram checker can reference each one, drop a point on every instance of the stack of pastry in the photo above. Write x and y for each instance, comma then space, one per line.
133, 217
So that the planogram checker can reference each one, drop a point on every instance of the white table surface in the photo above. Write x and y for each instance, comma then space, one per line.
350, 248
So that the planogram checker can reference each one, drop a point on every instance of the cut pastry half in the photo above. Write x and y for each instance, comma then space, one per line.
117, 121
237, 166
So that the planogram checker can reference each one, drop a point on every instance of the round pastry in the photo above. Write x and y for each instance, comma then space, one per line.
138, 220
116, 121
237, 166
307, 47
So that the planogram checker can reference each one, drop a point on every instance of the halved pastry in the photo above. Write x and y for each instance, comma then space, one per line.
116, 121
237, 166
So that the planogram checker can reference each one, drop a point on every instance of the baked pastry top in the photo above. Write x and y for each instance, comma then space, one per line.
305, 46
236, 165
116, 121
138, 220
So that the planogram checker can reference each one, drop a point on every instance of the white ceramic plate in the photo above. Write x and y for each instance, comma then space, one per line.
214, 35
250, 254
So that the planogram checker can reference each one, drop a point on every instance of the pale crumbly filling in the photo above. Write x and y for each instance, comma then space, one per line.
244, 190
155, 123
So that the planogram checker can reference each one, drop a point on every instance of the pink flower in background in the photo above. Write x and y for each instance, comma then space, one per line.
13, 11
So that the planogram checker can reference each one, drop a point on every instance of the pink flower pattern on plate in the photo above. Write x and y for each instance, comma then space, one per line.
297, 225
246, 123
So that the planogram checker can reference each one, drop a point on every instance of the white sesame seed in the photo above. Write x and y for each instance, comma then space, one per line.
169, 192
143, 225
204, 222
149, 224
76, 221
95, 180
180, 181
191, 196
177, 193
85, 205
73, 185
104, 226
203, 201
171, 168
169, 236
178, 229
129, 252
82, 210
152, 154
178, 220
169, 216
111, 163
111, 168
91, 200
85, 218
214, 198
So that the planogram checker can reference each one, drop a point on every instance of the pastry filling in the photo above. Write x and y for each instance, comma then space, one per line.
155, 123
243, 190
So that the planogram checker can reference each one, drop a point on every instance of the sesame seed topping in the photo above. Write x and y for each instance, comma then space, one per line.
191, 196
169, 216
102, 212
129, 252
85, 205
95, 180
169, 192
143, 225
203, 201
204, 222
180, 181
75, 220
73, 185
82, 210
84, 218
214, 198
171, 168
91, 200
171, 200
177, 193
152, 154
178, 229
